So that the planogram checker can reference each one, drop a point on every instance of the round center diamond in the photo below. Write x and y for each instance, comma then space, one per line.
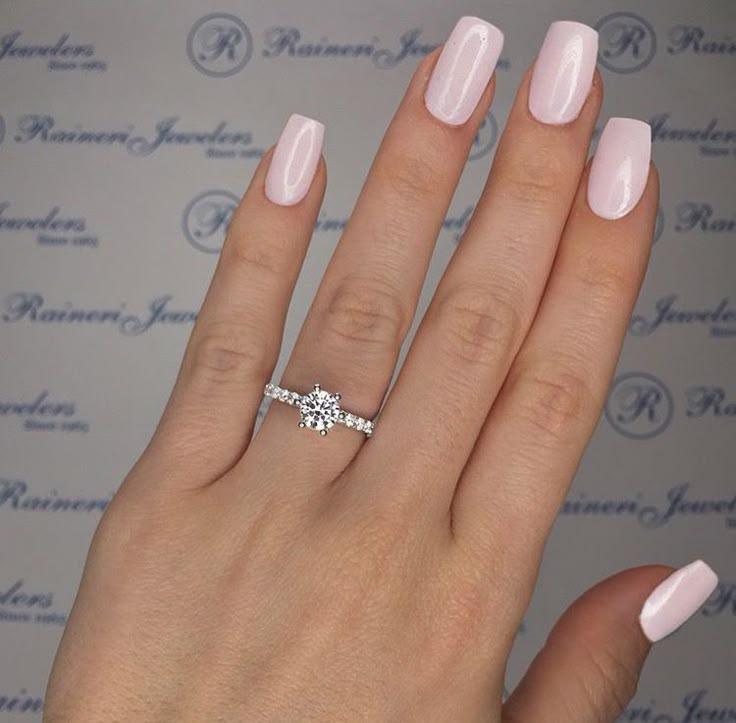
319, 410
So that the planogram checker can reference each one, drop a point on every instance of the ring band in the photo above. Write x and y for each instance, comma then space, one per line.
319, 410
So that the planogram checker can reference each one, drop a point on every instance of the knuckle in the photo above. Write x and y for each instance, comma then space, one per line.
532, 189
470, 605
365, 312
536, 177
258, 256
229, 353
616, 681
555, 398
137, 536
476, 325
126, 519
412, 178
610, 279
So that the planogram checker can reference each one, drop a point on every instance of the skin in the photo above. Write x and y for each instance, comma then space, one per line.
285, 577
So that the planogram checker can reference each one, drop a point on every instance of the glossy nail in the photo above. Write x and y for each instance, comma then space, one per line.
676, 599
563, 72
620, 168
294, 161
463, 70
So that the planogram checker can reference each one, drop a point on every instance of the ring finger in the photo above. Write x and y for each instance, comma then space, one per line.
363, 309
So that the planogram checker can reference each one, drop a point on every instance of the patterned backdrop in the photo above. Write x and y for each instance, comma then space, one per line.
125, 143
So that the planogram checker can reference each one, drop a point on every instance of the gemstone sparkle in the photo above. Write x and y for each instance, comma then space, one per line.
319, 409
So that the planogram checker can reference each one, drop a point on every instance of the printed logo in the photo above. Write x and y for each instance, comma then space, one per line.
217, 142
709, 401
59, 55
21, 604
701, 216
692, 39
31, 307
693, 708
42, 413
327, 224
711, 140
698, 217
16, 495
722, 601
52, 228
456, 225
639, 406
658, 225
680, 502
288, 41
627, 42
20, 702
720, 319
206, 219
219, 45
485, 138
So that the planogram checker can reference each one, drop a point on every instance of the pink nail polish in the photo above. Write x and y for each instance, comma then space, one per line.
563, 72
294, 161
620, 168
463, 70
676, 599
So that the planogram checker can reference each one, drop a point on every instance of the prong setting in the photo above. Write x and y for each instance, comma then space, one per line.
320, 410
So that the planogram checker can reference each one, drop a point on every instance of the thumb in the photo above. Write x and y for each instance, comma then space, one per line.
589, 668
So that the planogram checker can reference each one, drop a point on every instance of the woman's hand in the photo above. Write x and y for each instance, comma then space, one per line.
292, 577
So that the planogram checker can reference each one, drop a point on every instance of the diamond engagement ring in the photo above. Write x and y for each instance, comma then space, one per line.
319, 410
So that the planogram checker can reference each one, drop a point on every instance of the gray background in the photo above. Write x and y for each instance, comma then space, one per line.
128, 242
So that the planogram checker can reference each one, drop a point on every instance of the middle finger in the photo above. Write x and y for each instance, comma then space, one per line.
488, 296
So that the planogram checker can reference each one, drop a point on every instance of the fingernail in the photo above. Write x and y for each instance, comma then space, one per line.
294, 161
563, 72
463, 70
620, 168
676, 599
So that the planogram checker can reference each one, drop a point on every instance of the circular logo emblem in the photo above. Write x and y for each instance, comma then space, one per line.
206, 219
658, 226
2, 129
627, 42
639, 406
219, 45
485, 138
